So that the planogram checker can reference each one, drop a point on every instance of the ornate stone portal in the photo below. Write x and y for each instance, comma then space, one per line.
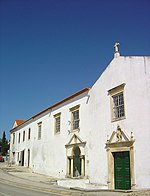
119, 141
75, 152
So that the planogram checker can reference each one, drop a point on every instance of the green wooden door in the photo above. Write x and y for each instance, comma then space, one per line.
76, 162
122, 170
76, 166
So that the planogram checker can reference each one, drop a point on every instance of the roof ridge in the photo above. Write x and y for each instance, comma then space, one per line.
54, 105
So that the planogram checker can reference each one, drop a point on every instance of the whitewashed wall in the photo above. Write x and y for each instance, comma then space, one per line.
48, 155
135, 73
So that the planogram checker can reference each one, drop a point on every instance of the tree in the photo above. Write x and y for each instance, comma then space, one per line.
4, 144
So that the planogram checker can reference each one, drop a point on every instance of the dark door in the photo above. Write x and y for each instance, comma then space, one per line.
28, 157
122, 170
22, 158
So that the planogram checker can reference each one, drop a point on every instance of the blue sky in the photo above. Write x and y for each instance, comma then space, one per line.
50, 49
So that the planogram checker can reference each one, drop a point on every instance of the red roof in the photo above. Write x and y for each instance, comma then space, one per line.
19, 122
63, 101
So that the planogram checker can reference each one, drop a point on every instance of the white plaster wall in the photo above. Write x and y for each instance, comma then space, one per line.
48, 155
135, 73
22, 145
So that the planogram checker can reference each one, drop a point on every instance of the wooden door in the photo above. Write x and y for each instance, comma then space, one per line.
122, 170
76, 162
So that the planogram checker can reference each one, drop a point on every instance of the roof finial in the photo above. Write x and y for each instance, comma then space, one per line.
116, 53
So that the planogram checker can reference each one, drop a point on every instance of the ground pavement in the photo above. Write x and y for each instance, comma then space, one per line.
26, 178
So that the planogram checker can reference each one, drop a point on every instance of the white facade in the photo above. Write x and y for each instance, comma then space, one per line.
101, 138
134, 72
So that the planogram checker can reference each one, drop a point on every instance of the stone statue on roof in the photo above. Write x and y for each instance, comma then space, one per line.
116, 46
116, 53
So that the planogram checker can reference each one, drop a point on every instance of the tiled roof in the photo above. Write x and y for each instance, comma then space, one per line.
19, 122
63, 101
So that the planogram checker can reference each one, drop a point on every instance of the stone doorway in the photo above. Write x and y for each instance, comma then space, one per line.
120, 152
75, 152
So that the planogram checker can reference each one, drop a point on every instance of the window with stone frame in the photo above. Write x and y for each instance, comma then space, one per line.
117, 103
75, 118
57, 118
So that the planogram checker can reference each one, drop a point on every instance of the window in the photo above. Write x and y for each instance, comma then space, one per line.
57, 123
19, 138
13, 138
117, 102
29, 134
39, 130
75, 118
118, 106
23, 136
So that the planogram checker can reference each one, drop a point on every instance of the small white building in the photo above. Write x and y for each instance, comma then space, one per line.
99, 134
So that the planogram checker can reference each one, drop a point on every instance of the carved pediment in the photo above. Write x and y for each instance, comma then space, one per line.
75, 140
119, 136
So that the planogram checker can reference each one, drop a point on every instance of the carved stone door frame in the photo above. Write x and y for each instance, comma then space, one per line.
124, 143
74, 143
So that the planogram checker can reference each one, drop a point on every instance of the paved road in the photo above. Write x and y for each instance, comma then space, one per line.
17, 189
9, 189
14, 190
19, 181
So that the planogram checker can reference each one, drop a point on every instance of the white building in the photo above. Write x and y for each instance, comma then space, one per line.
100, 135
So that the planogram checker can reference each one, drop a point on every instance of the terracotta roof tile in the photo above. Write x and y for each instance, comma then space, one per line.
19, 122
63, 101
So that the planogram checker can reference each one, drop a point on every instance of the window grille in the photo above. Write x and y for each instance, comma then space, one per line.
118, 106
75, 119
57, 124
